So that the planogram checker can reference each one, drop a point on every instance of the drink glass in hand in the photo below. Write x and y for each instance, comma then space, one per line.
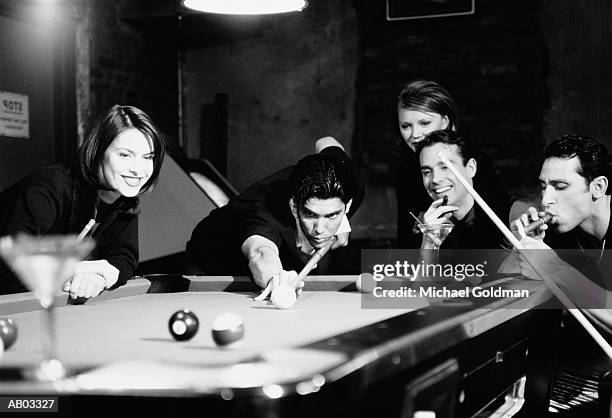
436, 233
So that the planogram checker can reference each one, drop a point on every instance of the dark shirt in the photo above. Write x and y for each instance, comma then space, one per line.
412, 197
54, 201
474, 231
587, 254
474, 240
262, 209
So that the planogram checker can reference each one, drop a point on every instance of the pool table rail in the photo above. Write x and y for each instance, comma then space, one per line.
477, 338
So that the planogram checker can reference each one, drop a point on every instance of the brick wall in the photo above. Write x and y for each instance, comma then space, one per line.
521, 72
119, 64
289, 84
493, 63
578, 36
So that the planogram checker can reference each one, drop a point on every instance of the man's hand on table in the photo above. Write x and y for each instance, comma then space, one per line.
288, 278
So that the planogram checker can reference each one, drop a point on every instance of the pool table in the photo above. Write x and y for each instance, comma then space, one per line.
326, 356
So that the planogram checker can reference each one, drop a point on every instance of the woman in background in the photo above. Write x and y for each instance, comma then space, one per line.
98, 195
425, 106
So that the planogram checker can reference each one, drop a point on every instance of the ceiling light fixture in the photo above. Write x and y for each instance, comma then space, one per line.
246, 7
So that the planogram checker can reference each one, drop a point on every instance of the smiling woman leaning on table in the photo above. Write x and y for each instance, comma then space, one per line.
97, 195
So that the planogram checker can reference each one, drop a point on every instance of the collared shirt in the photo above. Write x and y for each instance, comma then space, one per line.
263, 210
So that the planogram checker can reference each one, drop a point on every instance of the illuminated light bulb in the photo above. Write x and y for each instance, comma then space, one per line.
246, 7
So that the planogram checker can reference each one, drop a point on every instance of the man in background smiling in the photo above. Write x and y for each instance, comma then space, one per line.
472, 227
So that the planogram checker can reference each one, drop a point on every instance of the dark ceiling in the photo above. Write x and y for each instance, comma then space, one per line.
169, 20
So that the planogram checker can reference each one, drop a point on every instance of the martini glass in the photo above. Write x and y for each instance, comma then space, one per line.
43, 264
435, 234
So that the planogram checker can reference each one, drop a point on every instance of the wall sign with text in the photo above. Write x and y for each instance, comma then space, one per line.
14, 115
422, 9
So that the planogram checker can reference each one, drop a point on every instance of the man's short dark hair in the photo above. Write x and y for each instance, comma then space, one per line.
593, 158
322, 177
466, 148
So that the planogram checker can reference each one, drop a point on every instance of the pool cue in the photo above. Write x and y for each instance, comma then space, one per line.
316, 257
86, 229
554, 288
483, 205
81, 237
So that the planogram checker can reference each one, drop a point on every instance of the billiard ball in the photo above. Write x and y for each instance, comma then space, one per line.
183, 325
283, 296
227, 330
8, 332
365, 283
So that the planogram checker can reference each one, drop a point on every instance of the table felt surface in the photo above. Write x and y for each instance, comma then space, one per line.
119, 342
136, 327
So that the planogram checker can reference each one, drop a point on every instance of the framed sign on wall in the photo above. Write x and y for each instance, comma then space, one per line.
14, 115
421, 9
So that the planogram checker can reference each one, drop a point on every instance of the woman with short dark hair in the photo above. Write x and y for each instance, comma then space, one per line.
119, 161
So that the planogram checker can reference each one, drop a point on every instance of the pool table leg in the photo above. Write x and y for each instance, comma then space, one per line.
541, 364
435, 391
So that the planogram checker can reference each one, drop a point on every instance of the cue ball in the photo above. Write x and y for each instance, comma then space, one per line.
227, 330
283, 296
8, 332
183, 325
365, 283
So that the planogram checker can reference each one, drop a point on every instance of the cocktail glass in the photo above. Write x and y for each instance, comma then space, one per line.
436, 233
43, 264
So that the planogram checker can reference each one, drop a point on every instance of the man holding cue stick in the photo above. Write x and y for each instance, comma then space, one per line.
451, 201
530, 243
284, 223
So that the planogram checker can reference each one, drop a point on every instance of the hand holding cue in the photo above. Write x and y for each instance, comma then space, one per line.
554, 288
79, 238
316, 257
